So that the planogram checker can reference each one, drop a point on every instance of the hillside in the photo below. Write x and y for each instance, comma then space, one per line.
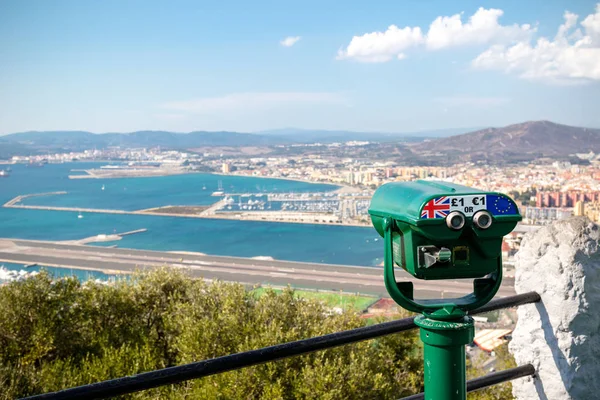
39, 142
80, 140
519, 142
524, 141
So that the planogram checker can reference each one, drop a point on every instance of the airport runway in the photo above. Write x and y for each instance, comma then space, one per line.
250, 271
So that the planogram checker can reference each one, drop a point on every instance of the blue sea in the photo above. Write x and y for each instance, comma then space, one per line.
296, 242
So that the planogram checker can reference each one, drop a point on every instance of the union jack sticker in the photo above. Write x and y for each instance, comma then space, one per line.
436, 208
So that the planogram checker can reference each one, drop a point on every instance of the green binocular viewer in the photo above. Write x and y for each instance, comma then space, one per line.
439, 230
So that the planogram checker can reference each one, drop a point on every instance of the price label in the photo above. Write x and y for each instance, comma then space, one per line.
442, 206
496, 204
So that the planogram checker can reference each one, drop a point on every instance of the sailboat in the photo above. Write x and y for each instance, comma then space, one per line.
219, 191
80, 216
102, 187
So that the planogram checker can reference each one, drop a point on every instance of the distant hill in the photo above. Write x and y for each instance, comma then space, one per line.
8, 149
519, 142
35, 142
525, 141
79, 140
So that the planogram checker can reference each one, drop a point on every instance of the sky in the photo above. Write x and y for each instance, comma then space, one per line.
249, 66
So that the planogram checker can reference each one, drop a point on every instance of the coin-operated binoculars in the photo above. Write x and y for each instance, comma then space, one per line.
439, 230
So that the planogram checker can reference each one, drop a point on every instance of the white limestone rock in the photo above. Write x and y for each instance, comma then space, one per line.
561, 335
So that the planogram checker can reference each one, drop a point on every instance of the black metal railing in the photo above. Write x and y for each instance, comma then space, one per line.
489, 380
167, 376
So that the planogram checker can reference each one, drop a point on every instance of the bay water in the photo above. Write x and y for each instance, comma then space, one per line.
285, 241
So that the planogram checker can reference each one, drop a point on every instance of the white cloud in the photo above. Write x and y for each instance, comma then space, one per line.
290, 41
573, 56
591, 24
254, 101
382, 46
482, 28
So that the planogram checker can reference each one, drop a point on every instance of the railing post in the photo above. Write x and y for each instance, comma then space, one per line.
445, 376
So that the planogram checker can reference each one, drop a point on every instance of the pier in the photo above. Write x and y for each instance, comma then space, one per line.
132, 232
14, 203
72, 209
105, 237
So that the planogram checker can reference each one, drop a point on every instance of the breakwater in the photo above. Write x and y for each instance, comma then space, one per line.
15, 201
211, 212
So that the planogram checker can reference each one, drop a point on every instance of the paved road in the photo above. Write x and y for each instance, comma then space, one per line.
351, 279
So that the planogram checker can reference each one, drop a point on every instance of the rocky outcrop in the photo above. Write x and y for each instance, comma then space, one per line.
561, 335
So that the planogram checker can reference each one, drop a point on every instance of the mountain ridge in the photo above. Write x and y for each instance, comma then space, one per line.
517, 142
81, 140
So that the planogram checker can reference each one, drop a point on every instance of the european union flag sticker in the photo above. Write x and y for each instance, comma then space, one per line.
500, 205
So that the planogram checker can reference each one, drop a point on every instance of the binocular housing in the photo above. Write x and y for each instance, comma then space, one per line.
441, 230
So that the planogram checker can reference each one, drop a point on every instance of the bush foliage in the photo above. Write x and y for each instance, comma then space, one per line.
59, 333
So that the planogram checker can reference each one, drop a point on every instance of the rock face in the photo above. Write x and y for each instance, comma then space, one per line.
561, 335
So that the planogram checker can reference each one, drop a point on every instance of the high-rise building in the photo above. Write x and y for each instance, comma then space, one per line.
350, 177
565, 199
226, 168
579, 209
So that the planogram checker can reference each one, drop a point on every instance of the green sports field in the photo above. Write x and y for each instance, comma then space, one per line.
330, 299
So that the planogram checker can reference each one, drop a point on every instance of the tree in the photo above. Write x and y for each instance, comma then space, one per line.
503, 391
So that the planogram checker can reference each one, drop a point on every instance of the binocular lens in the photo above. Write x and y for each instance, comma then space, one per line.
482, 220
455, 220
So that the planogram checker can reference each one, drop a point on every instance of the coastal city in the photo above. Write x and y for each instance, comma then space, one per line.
545, 190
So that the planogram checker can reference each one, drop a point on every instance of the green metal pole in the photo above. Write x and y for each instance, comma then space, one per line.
444, 359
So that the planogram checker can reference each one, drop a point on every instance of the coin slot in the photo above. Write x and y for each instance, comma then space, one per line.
460, 255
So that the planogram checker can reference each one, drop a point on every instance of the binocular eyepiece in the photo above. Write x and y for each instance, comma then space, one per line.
481, 219
455, 220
